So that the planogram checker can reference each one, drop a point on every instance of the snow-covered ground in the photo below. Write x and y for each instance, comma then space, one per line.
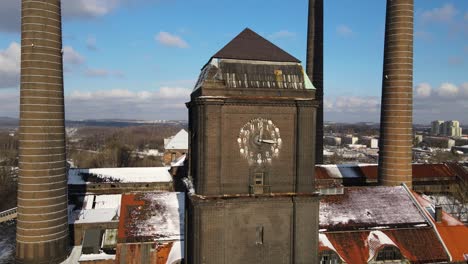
7, 242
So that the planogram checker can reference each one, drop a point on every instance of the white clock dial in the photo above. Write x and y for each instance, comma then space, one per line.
259, 141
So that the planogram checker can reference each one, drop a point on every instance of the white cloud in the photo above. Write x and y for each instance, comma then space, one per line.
88, 8
165, 103
10, 102
71, 56
282, 34
423, 90
10, 65
447, 90
170, 40
464, 90
344, 31
445, 14
10, 13
369, 104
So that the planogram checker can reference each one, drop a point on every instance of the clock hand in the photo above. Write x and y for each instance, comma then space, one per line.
261, 134
269, 141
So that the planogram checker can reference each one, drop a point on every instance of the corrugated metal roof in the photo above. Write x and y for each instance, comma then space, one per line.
248, 45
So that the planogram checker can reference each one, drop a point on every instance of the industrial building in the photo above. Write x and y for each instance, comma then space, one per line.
247, 189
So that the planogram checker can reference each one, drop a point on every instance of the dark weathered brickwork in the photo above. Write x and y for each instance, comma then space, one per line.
42, 229
314, 67
252, 162
396, 134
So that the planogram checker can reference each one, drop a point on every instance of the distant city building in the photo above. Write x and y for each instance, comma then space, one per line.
448, 128
436, 127
439, 142
332, 140
349, 139
175, 147
370, 142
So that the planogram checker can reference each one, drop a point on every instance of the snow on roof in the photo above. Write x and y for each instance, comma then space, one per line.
123, 175
100, 256
369, 207
107, 201
101, 215
324, 243
152, 216
177, 252
375, 241
179, 141
97, 209
179, 162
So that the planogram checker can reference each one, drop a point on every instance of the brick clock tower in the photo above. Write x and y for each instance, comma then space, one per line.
252, 132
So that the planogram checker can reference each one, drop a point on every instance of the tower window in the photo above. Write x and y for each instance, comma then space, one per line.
259, 176
259, 235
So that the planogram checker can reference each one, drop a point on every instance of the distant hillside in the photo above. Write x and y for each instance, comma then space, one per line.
9, 123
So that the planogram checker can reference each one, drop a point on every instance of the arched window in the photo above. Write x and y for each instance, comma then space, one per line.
329, 257
389, 253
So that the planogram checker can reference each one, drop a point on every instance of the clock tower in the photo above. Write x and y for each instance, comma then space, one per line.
252, 132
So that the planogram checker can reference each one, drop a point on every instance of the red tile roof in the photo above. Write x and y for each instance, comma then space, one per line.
369, 172
453, 232
418, 245
149, 217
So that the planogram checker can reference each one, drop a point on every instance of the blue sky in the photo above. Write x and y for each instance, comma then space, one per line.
140, 58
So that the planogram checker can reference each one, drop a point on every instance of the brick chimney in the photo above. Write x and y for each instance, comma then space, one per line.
396, 118
42, 223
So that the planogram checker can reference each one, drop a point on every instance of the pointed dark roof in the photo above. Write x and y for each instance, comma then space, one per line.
248, 45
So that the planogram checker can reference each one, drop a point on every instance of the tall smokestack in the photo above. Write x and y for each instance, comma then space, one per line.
42, 227
396, 117
314, 68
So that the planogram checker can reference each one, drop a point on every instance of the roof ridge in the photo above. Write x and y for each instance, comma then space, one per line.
248, 45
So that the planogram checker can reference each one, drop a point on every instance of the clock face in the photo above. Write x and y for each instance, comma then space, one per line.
259, 141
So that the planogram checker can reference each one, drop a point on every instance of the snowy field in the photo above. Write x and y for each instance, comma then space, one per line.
7, 242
